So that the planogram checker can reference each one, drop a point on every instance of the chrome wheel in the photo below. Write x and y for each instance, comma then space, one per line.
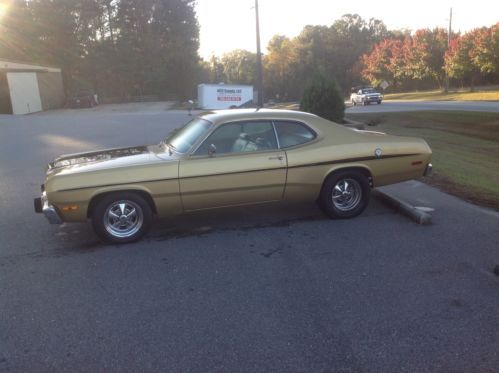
123, 219
347, 194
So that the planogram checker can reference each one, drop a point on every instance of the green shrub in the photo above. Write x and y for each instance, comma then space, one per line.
323, 97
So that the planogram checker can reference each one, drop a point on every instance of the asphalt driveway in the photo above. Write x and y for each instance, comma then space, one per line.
275, 288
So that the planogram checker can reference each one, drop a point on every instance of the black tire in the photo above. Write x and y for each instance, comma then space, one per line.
354, 103
379, 102
349, 203
112, 229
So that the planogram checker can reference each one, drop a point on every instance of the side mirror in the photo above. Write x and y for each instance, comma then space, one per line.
212, 149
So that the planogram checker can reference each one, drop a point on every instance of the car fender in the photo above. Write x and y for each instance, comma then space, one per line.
365, 169
100, 192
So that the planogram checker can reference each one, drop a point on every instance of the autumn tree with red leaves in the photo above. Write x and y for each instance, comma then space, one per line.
470, 58
425, 57
474, 55
386, 62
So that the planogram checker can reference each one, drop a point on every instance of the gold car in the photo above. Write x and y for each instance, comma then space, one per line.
228, 158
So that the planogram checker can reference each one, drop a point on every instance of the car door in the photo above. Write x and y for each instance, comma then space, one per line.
239, 163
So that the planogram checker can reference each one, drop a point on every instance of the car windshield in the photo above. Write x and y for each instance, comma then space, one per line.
370, 90
183, 139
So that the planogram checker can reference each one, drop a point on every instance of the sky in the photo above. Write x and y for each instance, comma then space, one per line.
230, 24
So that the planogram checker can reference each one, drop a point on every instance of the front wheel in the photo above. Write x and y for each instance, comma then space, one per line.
354, 103
121, 217
345, 194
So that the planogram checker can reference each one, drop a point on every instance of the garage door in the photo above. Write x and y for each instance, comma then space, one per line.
24, 93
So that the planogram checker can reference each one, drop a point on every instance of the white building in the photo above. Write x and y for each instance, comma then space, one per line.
26, 88
223, 96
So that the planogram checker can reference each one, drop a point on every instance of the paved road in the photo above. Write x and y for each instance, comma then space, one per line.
256, 289
397, 106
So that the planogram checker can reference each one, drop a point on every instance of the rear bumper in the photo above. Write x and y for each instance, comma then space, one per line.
428, 170
42, 207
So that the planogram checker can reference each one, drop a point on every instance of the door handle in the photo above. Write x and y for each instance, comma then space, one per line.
279, 157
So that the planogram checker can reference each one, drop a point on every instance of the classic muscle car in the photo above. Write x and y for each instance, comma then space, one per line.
228, 158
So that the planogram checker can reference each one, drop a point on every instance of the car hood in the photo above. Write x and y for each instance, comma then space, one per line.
107, 158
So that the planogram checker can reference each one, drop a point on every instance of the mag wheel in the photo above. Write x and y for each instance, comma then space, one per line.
121, 217
345, 194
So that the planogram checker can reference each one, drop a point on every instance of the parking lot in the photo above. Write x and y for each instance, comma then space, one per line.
268, 288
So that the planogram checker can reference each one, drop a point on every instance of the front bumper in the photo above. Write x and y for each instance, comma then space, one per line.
42, 206
373, 99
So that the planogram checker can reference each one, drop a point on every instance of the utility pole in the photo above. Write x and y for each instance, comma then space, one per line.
259, 72
448, 47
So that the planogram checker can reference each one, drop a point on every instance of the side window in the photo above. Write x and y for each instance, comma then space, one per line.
239, 137
293, 133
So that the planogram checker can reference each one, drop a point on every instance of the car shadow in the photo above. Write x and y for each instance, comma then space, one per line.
80, 238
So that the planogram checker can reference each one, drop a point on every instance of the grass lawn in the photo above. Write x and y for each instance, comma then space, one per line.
441, 96
465, 148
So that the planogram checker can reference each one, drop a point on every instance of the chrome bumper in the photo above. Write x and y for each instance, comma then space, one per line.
428, 170
42, 206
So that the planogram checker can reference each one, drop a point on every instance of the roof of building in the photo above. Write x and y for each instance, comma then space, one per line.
18, 66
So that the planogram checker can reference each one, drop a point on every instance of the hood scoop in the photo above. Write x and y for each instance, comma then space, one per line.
97, 156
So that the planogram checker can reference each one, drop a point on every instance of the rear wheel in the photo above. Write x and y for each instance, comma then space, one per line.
121, 217
345, 194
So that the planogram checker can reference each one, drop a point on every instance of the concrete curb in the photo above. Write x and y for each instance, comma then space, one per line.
405, 208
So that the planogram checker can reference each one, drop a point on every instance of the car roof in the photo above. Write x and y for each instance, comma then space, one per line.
224, 116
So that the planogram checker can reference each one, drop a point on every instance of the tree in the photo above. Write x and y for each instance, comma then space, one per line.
334, 50
17, 34
323, 97
474, 55
386, 62
425, 55
277, 67
120, 47
485, 50
158, 41
458, 63
216, 70
239, 67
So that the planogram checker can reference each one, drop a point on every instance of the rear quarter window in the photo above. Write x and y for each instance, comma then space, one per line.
293, 133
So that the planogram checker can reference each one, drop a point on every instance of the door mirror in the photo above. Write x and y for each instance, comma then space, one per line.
212, 149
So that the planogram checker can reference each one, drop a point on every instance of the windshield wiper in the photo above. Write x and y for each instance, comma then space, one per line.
170, 148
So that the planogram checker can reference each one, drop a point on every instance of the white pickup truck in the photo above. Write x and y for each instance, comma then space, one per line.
365, 96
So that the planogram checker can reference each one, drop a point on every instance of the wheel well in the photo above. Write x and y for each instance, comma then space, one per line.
363, 170
95, 199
